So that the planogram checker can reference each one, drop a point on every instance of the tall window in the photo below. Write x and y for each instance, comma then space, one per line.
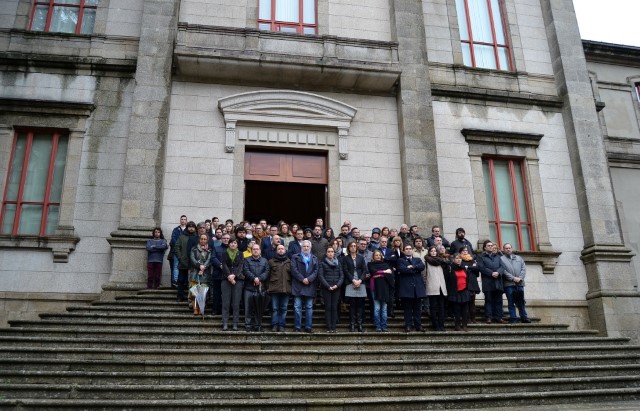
637, 87
32, 194
484, 43
507, 203
291, 16
64, 16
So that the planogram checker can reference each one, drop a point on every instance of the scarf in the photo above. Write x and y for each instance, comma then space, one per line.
306, 258
456, 267
467, 257
280, 257
333, 262
232, 254
437, 260
375, 266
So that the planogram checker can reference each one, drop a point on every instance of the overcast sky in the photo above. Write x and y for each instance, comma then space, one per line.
609, 21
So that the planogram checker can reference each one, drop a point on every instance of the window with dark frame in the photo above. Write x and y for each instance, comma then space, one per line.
64, 16
483, 35
290, 16
508, 205
31, 204
637, 88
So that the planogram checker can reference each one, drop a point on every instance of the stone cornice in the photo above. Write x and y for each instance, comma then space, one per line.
594, 253
609, 53
60, 246
471, 93
501, 137
46, 107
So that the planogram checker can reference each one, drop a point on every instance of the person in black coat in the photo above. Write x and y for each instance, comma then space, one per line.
491, 271
461, 284
331, 279
295, 246
354, 270
411, 288
232, 284
381, 283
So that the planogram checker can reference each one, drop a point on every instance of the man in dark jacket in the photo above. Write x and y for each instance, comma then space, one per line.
279, 287
295, 246
491, 271
256, 273
216, 274
460, 242
319, 244
304, 272
175, 234
435, 233
182, 252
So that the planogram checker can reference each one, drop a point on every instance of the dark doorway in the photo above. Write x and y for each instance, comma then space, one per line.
292, 202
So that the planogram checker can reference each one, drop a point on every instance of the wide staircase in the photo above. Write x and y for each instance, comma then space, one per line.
147, 351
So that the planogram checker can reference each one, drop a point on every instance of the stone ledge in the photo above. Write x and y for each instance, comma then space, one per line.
501, 137
594, 253
46, 107
547, 259
250, 56
466, 93
60, 246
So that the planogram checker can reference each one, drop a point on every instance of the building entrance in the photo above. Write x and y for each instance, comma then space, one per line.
285, 186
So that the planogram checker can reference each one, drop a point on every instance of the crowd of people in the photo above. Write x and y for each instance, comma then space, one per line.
251, 263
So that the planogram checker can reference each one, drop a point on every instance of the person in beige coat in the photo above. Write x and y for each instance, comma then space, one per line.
436, 287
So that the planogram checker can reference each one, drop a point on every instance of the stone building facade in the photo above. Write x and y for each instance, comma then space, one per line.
422, 112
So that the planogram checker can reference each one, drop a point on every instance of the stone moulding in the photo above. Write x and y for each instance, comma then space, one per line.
501, 137
594, 253
274, 59
511, 97
60, 246
289, 108
46, 107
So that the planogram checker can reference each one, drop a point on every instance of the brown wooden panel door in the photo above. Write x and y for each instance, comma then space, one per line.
285, 167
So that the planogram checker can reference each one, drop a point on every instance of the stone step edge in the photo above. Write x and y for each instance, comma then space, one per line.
237, 363
302, 388
319, 353
305, 374
532, 397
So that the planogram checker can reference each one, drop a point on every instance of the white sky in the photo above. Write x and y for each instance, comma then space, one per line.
609, 21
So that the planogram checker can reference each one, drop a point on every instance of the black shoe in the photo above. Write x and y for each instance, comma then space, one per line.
235, 328
419, 328
297, 330
352, 328
224, 328
407, 329
526, 321
258, 329
308, 330
274, 329
247, 329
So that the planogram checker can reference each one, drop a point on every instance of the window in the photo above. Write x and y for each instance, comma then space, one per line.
291, 16
507, 205
484, 43
33, 190
637, 87
64, 16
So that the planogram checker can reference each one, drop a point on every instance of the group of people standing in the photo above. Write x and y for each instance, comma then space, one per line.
247, 262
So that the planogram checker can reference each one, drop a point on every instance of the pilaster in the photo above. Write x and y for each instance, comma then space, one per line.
614, 304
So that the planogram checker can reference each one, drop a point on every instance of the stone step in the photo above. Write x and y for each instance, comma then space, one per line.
274, 342
320, 354
205, 334
191, 323
297, 390
315, 377
362, 402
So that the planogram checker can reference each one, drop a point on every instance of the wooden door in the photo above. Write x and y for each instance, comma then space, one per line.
285, 167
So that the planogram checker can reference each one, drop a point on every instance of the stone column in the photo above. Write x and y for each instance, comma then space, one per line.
614, 304
144, 169
420, 183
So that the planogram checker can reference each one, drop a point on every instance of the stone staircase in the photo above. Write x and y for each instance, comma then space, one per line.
147, 351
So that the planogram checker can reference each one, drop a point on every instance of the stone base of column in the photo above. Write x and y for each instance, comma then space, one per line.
128, 263
613, 298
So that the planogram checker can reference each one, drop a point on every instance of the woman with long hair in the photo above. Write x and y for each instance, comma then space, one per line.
381, 282
331, 278
436, 287
354, 271
469, 262
460, 286
200, 267
232, 283
156, 248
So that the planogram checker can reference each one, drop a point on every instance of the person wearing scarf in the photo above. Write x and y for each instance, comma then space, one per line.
279, 287
354, 270
411, 289
331, 279
459, 287
232, 283
380, 285
469, 262
200, 266
304, 272
436, 288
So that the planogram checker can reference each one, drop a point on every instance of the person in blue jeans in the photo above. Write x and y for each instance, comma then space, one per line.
279, 288
381, 283
304, 272
513, 280
175, 234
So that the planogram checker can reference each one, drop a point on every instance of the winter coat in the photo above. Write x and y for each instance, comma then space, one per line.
294, 248
410, 279
319, 247
255, 268
435, 280
200, 256
330, 274
456, 245
182, 251
279, 276
299, 272
156, 249
489, 263
452, 281
235, 268
348, 268
513, 267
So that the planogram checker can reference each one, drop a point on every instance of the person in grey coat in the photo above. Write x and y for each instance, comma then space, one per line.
304, 272
513, 282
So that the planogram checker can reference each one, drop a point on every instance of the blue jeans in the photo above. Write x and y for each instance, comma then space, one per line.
297, 312
513, 303
279, 302
174, 270
380, 314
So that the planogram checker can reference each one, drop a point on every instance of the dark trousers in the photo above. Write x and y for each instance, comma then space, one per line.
331, 300
436, 304
493, 305
356, 310
472, 307
154, 270
412, 308
461, 313
183, 277
215, 290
